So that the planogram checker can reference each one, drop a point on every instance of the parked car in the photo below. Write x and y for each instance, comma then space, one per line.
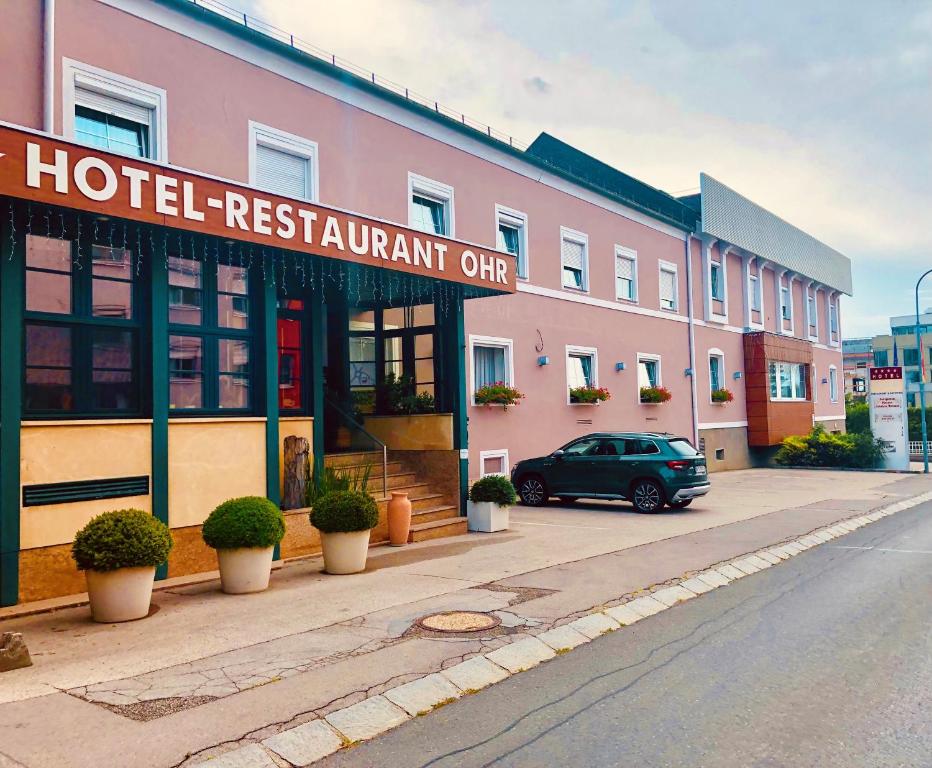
649, 469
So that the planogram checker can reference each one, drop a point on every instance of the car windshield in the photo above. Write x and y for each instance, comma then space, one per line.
683, 447
581, 447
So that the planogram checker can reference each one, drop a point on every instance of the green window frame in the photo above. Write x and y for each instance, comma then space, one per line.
82, 353
211, 325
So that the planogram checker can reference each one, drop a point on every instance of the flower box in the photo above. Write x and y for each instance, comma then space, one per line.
498, 393
655, 395
722, 396
588, 395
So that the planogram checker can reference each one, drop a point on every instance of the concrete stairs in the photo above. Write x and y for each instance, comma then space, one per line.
434, 515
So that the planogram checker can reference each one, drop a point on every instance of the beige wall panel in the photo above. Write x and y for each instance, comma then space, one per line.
210, 461
422, 432
55, 453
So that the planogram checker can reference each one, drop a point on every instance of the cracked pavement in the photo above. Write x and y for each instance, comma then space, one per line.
210, 672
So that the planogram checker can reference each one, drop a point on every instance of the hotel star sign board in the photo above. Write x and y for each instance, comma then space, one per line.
888, 415
35, 167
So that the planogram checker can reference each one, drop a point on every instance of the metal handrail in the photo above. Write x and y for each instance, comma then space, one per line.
372, 437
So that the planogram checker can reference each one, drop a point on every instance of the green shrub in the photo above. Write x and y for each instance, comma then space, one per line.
398, 395
857, 417
126, 538
250, 521
495, 488
823, 449
345, 512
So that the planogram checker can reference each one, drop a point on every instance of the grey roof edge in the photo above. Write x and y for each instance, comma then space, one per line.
729, 216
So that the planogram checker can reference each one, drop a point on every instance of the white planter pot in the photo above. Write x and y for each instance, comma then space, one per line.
245, 569
120, 595
486, 516
345, 552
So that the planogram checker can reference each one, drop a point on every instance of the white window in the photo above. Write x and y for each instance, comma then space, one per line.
430, 206
811, 311
493, 462
669, 298
115, 113
833, 318
788, 381
755, 293
492, 362
582, 368
716, 370
511, 237
717, 281
574, 257
648, 372
833, 383
626, 273
282, 163
786, 305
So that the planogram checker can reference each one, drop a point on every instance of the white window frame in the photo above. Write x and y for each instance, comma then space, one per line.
489, 341
283, 141
572, 349
518, 220
815, 319
721, 268
669, 266
649, 356
77, 74
755, 292
815, 384
435, 190
501, 453
720, 356
626, 253
581, 238
778, 398
833, 335
833, 383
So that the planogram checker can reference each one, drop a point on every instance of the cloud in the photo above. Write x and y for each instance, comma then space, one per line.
537, 85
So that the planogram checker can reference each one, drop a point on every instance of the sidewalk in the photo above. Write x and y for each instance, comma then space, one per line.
210, 671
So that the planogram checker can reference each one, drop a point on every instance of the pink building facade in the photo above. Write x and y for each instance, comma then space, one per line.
619, 286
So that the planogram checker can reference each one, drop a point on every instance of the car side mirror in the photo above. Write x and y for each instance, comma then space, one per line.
558, 454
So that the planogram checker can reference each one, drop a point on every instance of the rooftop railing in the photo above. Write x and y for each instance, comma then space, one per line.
275, 33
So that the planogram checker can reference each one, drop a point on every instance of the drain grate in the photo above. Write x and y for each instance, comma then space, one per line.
459, 621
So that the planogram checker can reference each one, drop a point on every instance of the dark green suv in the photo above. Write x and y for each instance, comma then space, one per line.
647, 468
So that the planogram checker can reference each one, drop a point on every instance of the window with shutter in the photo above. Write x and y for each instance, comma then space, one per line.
667, 289
573, 255
625, 277
282, 172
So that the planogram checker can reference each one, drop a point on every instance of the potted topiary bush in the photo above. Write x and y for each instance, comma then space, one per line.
345, 519
244, 532
489, 500
118, 552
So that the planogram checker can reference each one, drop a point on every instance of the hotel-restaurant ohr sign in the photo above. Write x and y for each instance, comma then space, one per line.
35, 167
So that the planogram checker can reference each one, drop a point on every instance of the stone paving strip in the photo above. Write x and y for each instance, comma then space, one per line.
312, 741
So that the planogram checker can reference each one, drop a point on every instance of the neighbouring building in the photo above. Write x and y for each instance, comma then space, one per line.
212, 238
857, 356
899, 348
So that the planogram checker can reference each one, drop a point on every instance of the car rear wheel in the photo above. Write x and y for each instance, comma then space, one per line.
532, 490
647, 496
681, 504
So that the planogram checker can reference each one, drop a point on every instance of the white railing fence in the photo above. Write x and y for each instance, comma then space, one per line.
915, 447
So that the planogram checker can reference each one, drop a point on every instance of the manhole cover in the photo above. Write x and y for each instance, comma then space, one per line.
459, 621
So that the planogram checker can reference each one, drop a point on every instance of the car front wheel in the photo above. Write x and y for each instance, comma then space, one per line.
532, 490
647, 496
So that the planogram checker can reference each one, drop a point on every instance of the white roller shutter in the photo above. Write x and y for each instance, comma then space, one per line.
281, 172
667, 289
573, 254
109, 105
624, 268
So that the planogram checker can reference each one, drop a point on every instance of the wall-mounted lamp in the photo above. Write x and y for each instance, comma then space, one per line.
543, 360
736, 375
619, 366
825, 381
688, 372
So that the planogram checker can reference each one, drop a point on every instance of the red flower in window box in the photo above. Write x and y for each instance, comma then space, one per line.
498, 393
589, 395
655, 394
722, 395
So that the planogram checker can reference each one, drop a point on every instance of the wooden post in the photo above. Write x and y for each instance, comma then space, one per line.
295, 463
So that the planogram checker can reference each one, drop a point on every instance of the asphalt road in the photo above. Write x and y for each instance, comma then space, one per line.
824, 660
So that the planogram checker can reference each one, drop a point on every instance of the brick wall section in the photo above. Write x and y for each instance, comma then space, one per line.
769, 421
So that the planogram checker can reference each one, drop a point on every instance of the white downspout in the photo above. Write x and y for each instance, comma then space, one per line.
48, 68
692, 342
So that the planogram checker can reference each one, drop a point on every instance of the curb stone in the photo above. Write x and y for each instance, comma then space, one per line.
312, 741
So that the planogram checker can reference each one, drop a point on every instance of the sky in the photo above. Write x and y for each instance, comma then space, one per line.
820, 112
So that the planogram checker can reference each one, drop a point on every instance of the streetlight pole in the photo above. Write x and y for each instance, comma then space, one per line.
922, 384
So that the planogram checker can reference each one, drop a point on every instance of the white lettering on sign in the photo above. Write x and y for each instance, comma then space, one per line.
103, 179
